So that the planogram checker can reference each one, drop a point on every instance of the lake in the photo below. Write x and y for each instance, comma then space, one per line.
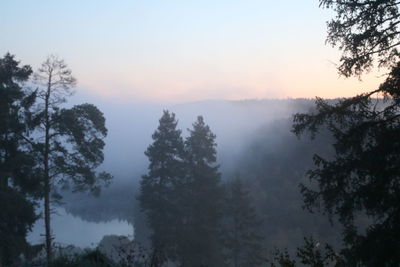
70, 230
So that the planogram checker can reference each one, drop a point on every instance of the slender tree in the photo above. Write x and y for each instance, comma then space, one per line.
199, 242
158, 197
241, 227
70, 141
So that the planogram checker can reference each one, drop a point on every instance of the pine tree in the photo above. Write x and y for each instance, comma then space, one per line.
17, 175
158, 196
199, 240
241, 227
69, 141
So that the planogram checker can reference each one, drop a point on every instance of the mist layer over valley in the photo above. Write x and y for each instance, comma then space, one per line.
182, 133
254, 142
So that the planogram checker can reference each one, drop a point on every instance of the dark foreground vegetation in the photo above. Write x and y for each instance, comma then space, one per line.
188, 215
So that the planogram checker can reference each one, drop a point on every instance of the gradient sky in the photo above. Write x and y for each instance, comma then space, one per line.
173, 51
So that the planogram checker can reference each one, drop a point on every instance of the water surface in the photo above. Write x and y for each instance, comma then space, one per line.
70, 230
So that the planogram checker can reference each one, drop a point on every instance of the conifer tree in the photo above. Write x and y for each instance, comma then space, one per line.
17, 175
158, 196
199, 242
362, 178
241, 227
69, 141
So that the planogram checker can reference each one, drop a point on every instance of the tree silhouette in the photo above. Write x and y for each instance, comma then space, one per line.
200, 243
363, 176
17, 172
158, 196
365, 31
70, 141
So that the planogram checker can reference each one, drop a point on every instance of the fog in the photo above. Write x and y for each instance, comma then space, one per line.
130, 126
200, 133
253, 138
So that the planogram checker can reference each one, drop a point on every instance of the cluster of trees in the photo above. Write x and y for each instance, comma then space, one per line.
361, 179
194, 219
43, 147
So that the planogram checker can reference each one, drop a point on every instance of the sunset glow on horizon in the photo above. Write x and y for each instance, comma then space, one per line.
177, 51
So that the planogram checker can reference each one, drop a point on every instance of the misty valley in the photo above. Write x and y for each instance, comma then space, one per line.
254, 142
200, 133
253, 137
254, 160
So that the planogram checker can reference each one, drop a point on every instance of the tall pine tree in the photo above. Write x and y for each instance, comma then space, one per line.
199, 241
158, 196
69, 141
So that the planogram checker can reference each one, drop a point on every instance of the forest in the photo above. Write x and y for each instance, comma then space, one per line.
251, 182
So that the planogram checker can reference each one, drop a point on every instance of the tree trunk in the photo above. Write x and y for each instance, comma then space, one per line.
47, 184
49, 253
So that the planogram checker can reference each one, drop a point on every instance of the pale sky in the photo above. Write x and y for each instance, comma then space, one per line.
174, 51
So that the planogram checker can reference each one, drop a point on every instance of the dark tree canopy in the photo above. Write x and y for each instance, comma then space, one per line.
69, 142
312, 253
83, 128
42, 147
158, 196
201, 245
17, 175
365, 31
181, 194
362, 178
15, 105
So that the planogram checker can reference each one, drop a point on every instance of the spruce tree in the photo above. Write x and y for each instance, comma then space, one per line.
158, 197
241, 227
199, 241
361, 179
17, 175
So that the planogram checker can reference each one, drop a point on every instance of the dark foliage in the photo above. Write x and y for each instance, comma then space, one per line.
158, 196
89, 259
200, 243
16, 219
241, 227
310, 254
181, 195
17, 175
365, 31
69, 142
363, 177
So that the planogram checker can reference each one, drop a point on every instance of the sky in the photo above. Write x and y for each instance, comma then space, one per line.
173, 51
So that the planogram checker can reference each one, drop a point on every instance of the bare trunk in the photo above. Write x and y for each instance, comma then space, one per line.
47, 185
49, 252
